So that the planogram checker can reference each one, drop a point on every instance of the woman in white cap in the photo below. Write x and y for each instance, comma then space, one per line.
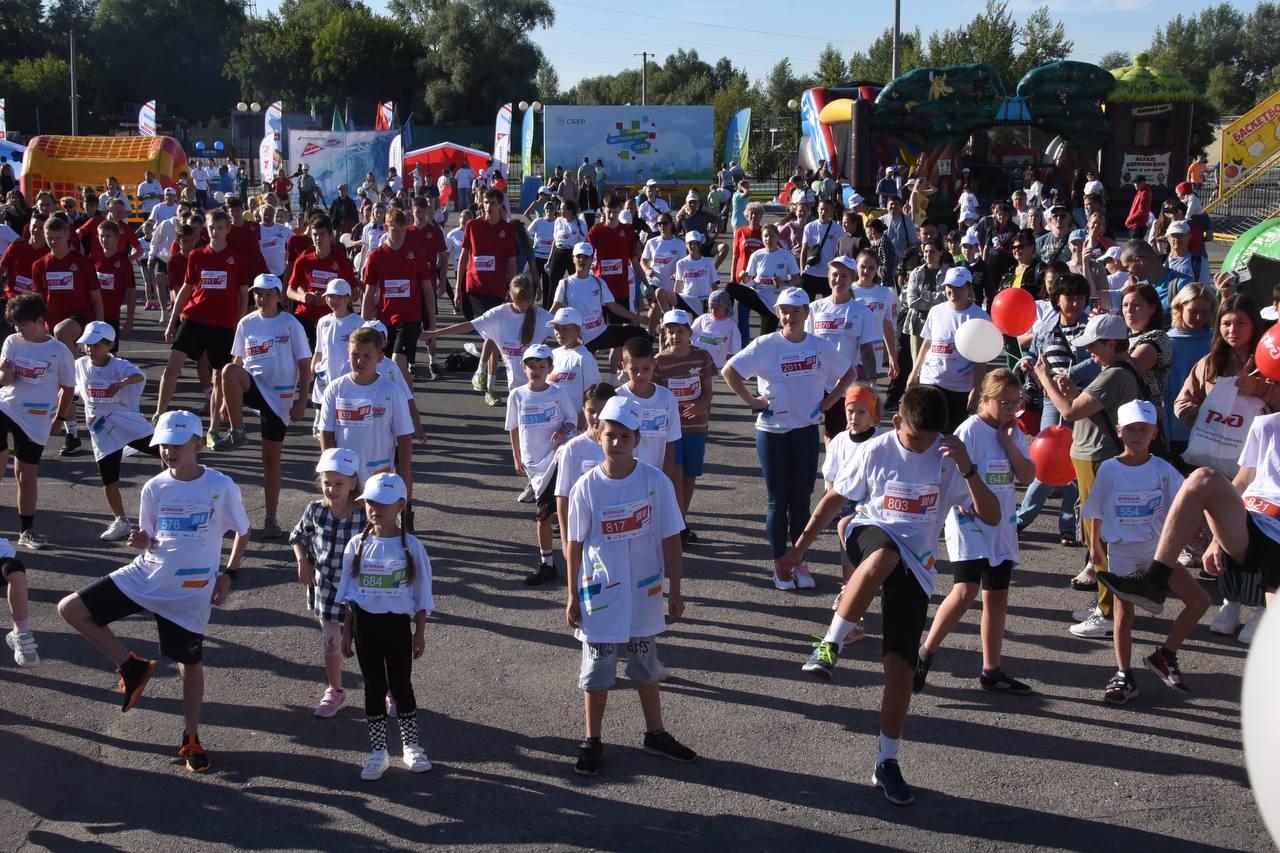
940, 364
799, 376
658, 260
589, 294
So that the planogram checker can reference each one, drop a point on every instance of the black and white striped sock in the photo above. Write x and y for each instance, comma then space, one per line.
408, 728
378, 732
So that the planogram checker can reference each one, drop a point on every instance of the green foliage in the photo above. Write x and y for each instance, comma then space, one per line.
876, 63
831, 68
1115, 59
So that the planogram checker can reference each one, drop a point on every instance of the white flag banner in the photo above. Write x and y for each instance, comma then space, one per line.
268, 157
2, 125
502, 139
147, 119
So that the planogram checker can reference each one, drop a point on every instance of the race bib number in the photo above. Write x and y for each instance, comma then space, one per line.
106, 281
23, 284
942, 349
396, 288
1262, 506
1137, 507
28, 371
827, 327
485, 263
270, 243
685, 388
58, 281
800, 364
320, 279
624, 521
593, 323
611, 266
544, 245
910, 502
512, 350
706, 341
379, 577
663, 260
998, 474
213, 280
767, 281
653, 421
98, 390
562, 376
538, 417
181, 521
258, 347
354, 413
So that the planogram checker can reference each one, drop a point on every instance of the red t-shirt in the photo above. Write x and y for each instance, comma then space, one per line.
745, 241
177, 268
65, 285
398, 275
490, 247
427, 243
115, 278
296, 245
17, 262
216, 279
244, 238
89, 233
314, 274
281, 186
615, 247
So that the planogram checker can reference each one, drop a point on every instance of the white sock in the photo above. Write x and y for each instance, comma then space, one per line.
429, 358
840, 628
888, 748
546, 556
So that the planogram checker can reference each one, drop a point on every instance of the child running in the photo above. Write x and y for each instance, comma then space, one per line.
386, 587
319, 540
983, 554
716, 331
183, 515
689, 374
573, 368
111, 389
659, 411
623, 537
539, 419
1128, 504
903, 482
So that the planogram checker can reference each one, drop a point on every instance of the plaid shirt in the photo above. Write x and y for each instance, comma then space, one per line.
324, 538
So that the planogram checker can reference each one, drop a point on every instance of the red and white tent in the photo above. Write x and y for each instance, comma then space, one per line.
434, 158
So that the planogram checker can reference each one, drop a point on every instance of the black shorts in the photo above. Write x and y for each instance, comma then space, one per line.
109, 465
402, 339
545, 501
272, 427
106, 604
23, 447
981, 571
195, 339
8, 566
479, 303
159, 265
1263, 558
904, 607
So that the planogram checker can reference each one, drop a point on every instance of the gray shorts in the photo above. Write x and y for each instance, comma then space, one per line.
600, 663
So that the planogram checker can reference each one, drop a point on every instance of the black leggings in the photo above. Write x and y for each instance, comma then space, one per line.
384, 649
109, 465
559, 265
543, 283
616, 336
748, 297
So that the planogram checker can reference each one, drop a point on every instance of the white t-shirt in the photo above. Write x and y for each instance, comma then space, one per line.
113, 421
813, 236
502, 325
905, 494
846, 324
186, 521
368, 419
573, 370
383, 585
943, 365
621, 525
567, 233
662, 256
464, 177
543, 233
721, 338
39, 371
388, 369
333, 336
538, 415
1132, 500
1262, 453
151, 188
970, 538
163, 210
770, 271
882, 302
659, 422
840, 452
589, 296
968, 206
651, 210
272, 241
454, 240
696, 280
271, 348
793, 376
576, 457
200, 178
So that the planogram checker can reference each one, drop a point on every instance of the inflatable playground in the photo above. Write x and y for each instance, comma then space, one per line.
63, 164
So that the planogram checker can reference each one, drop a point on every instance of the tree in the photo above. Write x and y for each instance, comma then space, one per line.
547, 82
1227, 90
38, 93
875, 65
831, 67
21, 33
1042, 41
780, 86
1115, 59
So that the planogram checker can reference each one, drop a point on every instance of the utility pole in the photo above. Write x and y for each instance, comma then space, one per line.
897, 38
75, 118
644, 75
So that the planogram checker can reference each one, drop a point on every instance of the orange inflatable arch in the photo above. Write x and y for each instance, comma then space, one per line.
64, 164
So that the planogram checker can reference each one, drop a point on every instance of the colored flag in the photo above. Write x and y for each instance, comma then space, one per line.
268, 157
737, 137
147, 119
386, 112
338, 125
526, 139
3, 132
274, 121
402, 143
502, 139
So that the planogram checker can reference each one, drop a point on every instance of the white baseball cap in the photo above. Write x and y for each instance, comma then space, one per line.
267, 281
677, 316
1178, 226
844, 261
177, 427
969, 239
97, 331
651, 183
537, 351
337, 287
957, 277
694, 237
1102, 327
793, 296
621, 410
566, 316
376, 324
1136, 412
544, 190
1094, 188
339, 460
1078, 236
384, 488
1113, 253
693, 196
584, 248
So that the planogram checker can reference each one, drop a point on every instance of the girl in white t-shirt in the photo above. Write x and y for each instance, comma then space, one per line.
768, 272
940, 364
573, 368
660, 256
982, 555
882, 302
386, 587
695, 277
333, 333
716, 331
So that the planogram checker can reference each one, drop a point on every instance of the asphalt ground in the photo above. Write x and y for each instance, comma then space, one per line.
785, 762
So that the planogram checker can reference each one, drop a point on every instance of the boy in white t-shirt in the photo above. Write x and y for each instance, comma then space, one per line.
659, 411
1129, 501
903, 482
270, 371
579, 454
623, 537
13, 578
573, 367
183, 515
940, 364
539, 419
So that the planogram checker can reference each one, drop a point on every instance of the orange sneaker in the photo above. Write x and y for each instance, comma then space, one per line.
134, 675
193, 754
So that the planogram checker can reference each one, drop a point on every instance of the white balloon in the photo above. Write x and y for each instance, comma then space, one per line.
1259, 711
979, 340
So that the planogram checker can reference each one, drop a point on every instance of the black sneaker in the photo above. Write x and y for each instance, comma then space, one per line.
546, 572
1139, 589
134, 675
888, 778
192, 754
1165, 665
1120, 689
688, 537
662, 743
589, 752
921, 673
70, 445
1000, 683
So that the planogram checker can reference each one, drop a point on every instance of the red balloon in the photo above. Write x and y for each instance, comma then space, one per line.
1014, 311
1051, 451
1267, 355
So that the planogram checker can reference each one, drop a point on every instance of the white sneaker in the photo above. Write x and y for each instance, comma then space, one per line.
1246, 635
1228, 619
1084, 613
32, 541
779, 583
803, 577
24, 647
1095, 627
375, 765
415, 758
117, 530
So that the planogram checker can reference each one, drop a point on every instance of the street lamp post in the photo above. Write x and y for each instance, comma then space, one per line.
897, 38
525, 106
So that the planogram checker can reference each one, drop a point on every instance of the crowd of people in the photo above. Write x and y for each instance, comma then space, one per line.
858, 382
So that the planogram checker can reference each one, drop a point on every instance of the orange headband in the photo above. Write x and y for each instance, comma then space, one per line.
866, 397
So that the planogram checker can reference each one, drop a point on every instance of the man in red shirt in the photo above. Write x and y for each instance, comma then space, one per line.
281, 186
244, 237
1140, 210
487, 260
87, 231
115, 280
66, 280
616, 250
15, 266
398, 290
211, 301
312, 272
428, 240
117, 212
